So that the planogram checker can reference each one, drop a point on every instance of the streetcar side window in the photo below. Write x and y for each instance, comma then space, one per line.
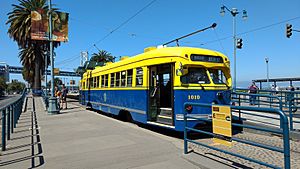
123, 78
139, 76
112, 80
94, 82
106, 80
102, 81
118, 79
129, 78
97, 81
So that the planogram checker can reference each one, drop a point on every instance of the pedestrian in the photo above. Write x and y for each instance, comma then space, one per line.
292, 88
64, 92
277, 89
253, 89
57, 94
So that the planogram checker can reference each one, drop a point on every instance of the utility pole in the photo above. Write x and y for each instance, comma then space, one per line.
234, 12
267, 62
52, 109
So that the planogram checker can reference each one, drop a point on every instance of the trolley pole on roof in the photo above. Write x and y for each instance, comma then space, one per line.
190, 34
52, 109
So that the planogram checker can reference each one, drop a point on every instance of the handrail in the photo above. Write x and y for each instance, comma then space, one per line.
10, 114
284, 131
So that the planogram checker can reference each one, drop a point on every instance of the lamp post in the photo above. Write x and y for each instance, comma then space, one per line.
267, 62
52, 109
233, 12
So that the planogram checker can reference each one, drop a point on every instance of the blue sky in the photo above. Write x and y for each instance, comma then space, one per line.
164, 20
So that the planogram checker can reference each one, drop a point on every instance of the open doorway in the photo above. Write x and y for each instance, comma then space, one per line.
160, 94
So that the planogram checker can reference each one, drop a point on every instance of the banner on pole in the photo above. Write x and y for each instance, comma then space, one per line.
40, 25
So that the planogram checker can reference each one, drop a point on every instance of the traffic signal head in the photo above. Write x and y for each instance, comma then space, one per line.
239, 43
288, 30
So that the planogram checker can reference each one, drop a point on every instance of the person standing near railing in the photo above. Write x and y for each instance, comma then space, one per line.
253, 89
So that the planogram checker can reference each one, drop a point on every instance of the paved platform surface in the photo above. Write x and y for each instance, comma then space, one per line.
78, 138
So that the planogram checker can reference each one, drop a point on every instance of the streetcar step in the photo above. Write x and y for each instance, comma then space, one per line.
164, 119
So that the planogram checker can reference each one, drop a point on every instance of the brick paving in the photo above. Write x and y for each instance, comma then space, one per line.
268, 156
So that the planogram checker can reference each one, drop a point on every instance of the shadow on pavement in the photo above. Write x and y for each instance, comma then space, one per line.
20, 151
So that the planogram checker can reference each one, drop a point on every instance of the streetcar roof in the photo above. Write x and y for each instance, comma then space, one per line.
154, 53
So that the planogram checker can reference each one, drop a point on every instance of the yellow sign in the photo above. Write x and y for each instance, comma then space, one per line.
221, 121
56, 71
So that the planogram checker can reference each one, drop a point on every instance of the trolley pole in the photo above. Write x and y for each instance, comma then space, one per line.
52, 109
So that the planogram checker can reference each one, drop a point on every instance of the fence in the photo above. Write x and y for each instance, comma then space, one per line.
286, 101
284, 131
10, 115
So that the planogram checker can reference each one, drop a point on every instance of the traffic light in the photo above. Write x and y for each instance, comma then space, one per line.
288, 30
239, 43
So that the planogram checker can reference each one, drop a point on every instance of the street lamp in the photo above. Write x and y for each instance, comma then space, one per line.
52, 109
267, 62
234, 12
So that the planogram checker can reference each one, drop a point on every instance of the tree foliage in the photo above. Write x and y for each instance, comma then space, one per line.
3, 86
15, 86
99, 59
32, 54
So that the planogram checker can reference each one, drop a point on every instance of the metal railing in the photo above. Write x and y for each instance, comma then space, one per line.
284, 131
284, 102
282, 94
10, 115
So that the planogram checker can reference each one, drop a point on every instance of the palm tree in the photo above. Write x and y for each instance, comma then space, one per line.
100, 58
32, 51
32, 59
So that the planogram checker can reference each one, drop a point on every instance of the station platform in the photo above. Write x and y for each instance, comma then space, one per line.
78, 138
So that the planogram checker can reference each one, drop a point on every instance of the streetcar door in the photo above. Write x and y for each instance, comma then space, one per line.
161, 94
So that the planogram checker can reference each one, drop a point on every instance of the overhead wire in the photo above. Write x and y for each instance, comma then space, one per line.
220, 42
125, 22
252, 30
111, 32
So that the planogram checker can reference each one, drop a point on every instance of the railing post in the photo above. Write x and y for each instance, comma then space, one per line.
185, 131
15, 115
291, 115
286, 141
3, 129
12, 118
8, 122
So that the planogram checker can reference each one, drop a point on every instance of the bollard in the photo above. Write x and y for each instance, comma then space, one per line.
3, 130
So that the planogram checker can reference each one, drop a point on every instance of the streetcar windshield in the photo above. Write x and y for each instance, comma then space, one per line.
195, 76
217, 76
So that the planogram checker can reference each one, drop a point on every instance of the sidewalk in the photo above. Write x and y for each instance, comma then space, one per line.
78, 138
